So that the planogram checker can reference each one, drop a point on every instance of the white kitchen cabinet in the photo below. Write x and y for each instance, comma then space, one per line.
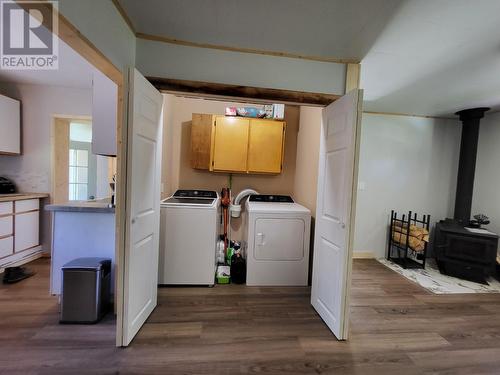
6, 208
20, 229
27, 230
27, 205
6, 246
10, 126
6, 226
104, 115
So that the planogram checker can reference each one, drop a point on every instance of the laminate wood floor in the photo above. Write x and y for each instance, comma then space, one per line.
397, 328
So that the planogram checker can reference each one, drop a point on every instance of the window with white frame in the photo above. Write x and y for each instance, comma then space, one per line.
78, 174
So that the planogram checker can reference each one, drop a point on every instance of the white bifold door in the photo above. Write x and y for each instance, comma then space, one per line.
142, 228
337, 181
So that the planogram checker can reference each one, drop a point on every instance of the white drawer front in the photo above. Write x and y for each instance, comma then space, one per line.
27, 205
6, 246
6, 208
27, 230
6, 226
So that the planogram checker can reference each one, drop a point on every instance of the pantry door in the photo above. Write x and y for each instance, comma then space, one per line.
142, 228
337, 180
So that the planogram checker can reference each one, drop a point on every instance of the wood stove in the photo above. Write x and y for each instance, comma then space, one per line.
460, 252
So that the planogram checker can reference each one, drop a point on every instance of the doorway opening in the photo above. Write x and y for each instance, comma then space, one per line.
181, 175
58, 165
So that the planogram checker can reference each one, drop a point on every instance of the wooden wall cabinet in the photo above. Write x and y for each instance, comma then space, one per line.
265, 146
230, 144
10, 126
237, 144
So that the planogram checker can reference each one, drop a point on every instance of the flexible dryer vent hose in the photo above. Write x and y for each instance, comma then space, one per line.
236, 206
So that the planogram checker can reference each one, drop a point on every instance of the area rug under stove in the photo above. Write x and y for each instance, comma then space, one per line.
432, 280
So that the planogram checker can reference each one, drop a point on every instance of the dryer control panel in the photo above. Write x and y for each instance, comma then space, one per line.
271, 198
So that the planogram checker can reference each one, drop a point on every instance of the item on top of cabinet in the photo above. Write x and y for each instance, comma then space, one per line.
268, 108
223, 274
231, 111
7, 186
278, 111
238, 269
251, 112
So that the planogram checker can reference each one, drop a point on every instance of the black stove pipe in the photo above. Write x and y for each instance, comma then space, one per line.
467, 164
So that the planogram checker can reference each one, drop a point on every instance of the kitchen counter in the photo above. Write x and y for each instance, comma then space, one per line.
22, 196
99, 206
81, 229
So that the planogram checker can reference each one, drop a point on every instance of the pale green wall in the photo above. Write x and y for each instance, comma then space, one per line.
101, 23
160, 59
486, 198
406, 163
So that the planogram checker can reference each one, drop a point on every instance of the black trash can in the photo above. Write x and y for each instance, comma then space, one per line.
86, 287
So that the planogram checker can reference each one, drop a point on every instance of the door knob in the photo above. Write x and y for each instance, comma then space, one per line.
133, 220
343, 225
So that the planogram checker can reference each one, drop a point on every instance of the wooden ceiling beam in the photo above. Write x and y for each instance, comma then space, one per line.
125, 16
169, 40
222, 90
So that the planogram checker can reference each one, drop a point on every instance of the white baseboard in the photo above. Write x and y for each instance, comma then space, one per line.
363, 255
22, 258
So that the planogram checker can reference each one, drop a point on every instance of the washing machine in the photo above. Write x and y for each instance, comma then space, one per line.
189, 223
277, 241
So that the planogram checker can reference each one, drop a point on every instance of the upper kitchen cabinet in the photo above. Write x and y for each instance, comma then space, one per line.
10, 126
230, 144
104, 115
265, 146
237, 144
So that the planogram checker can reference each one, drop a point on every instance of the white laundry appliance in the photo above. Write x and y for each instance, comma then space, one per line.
277, 235
189, 226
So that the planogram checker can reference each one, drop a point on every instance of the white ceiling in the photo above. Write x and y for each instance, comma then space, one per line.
74, 71
328, 28
435, 58
427, 57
